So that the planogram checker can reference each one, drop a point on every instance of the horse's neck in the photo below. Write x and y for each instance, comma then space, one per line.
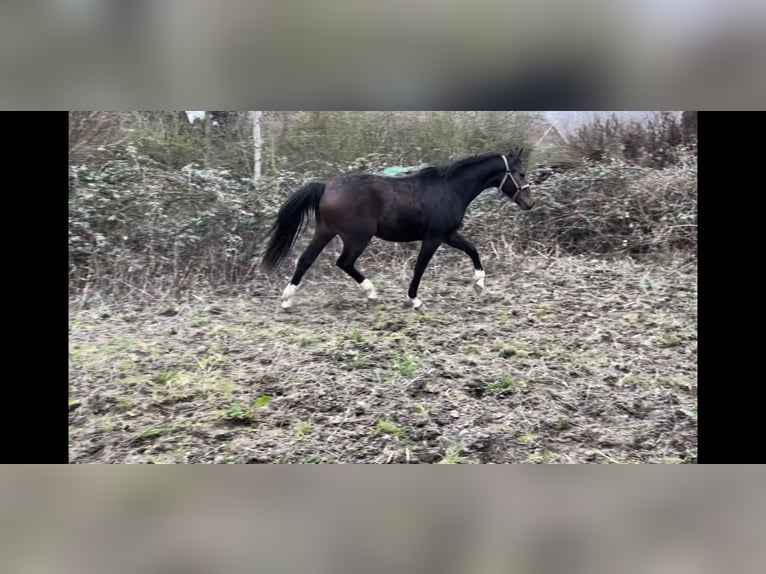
474, 180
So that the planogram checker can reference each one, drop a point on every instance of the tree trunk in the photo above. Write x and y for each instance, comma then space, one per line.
257, 143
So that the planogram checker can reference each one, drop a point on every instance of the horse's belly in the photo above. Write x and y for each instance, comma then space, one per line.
398, 233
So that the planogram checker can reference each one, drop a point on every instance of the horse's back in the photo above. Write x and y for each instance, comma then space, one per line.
377, 205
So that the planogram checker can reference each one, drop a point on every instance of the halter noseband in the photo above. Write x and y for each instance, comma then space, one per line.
509, 175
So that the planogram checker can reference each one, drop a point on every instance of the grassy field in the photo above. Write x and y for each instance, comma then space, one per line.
560, 360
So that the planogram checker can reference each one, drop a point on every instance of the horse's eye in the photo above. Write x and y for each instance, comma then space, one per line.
523, 174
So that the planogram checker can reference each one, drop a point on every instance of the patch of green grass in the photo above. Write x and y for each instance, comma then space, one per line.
209, 362
670, 341
690, 457
221, 387
262, 401
389, 427
454, 455
88, 354
173, 386
351, 359
198, 319
126, 403
167, 377
420, 409
356, 336
504, 386
629, 379
105, 423
360, 360
692, 414
503, 320
525, 439
395, 337
238, 412
126, 366
302, 428
406, 365
75, 326
244, 412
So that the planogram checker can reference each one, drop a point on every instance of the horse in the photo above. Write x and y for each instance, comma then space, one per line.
426, 205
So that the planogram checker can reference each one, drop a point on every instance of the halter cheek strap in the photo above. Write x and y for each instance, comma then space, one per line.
509, 175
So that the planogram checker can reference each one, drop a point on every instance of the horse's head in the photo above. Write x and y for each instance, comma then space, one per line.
514, 183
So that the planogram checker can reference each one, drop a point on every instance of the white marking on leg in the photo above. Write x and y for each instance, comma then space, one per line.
369, 288
478, 278
288, 296
416, 303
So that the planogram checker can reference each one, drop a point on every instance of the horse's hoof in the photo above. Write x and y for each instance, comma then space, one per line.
417, 304
369, 288
478, 281
287, 295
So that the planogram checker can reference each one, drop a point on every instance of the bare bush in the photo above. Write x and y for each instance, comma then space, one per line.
659, 142
90, 130
602, 208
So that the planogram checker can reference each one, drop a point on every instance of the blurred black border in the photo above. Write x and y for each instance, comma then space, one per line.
728, 386
35, 389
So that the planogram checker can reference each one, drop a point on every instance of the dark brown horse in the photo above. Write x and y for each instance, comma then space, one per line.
428, 205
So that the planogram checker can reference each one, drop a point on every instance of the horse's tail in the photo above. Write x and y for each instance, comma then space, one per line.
291, 220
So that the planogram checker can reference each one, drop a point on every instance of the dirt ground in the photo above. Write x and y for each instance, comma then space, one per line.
560, 360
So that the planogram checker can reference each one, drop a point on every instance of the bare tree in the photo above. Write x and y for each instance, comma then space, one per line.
257, 144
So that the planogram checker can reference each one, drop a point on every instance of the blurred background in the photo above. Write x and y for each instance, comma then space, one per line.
533, 55
684, 520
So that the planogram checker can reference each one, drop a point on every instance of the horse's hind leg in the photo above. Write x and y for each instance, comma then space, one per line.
353, 246
427, 250
459, 242
319, 241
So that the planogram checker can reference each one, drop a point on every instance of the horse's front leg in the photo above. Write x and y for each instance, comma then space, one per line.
459, 242
427, 250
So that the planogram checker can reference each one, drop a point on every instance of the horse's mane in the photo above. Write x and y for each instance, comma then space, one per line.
449, 169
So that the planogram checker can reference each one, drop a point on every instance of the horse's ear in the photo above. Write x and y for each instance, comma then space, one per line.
518, 155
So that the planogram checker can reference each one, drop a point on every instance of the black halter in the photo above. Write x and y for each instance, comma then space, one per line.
509, 175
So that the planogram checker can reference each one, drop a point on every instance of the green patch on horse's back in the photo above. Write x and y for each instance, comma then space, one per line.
398, 170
